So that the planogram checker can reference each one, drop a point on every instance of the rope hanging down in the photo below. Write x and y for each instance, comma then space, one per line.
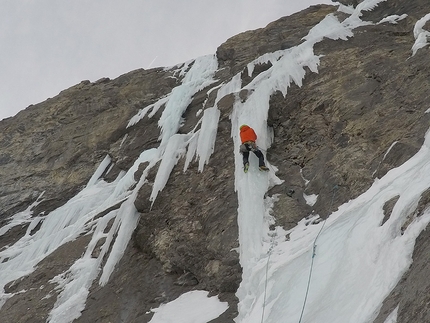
269, 252
265, 283
314, 247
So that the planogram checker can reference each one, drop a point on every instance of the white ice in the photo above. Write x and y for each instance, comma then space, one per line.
310, 199
357, 260
198, 77
354, 20
383, 158
421, 35
206, 143
393, 19
392, 318
353, 250
60, 226
191, 307
345, 9
21, 217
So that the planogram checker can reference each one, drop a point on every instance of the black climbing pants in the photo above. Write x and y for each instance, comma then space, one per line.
246, 148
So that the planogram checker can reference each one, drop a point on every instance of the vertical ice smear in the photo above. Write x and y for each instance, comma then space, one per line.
87, 211
206, 143
100, 170
143, 112
352, 234
202, 142
191, 150
173, 145
21, 217
383, 158
126, 221
106, 210
357, 262
421, 35
127, 218
74, 284
175, 149
233, 86
198, 77
59, 227
194, 79
253, 214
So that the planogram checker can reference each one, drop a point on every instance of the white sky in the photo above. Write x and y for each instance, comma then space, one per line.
50, 45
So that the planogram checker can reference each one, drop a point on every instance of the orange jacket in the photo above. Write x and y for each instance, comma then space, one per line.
247, 134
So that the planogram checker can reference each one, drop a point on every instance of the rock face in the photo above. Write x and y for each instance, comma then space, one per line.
337, 130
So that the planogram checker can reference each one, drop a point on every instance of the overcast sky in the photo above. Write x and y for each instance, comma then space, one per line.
49, 45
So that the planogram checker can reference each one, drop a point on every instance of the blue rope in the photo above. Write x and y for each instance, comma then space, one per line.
314, 248
265, 284
265, 289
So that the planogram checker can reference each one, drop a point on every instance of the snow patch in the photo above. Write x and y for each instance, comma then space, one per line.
191, 307
392, 318
421, 35
394, 19
310, 199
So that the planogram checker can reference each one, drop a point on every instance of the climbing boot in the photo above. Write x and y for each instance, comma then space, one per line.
263, 168
246, 167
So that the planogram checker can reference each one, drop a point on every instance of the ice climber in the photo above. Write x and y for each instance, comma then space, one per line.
248, 138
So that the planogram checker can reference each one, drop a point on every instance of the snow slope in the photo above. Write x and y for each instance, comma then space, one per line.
338, 270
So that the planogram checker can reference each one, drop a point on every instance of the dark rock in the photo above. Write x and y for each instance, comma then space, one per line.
388, 208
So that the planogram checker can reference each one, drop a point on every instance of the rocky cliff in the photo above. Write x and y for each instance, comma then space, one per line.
337, 128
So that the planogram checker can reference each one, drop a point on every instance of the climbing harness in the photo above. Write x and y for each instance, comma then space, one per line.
314, 248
